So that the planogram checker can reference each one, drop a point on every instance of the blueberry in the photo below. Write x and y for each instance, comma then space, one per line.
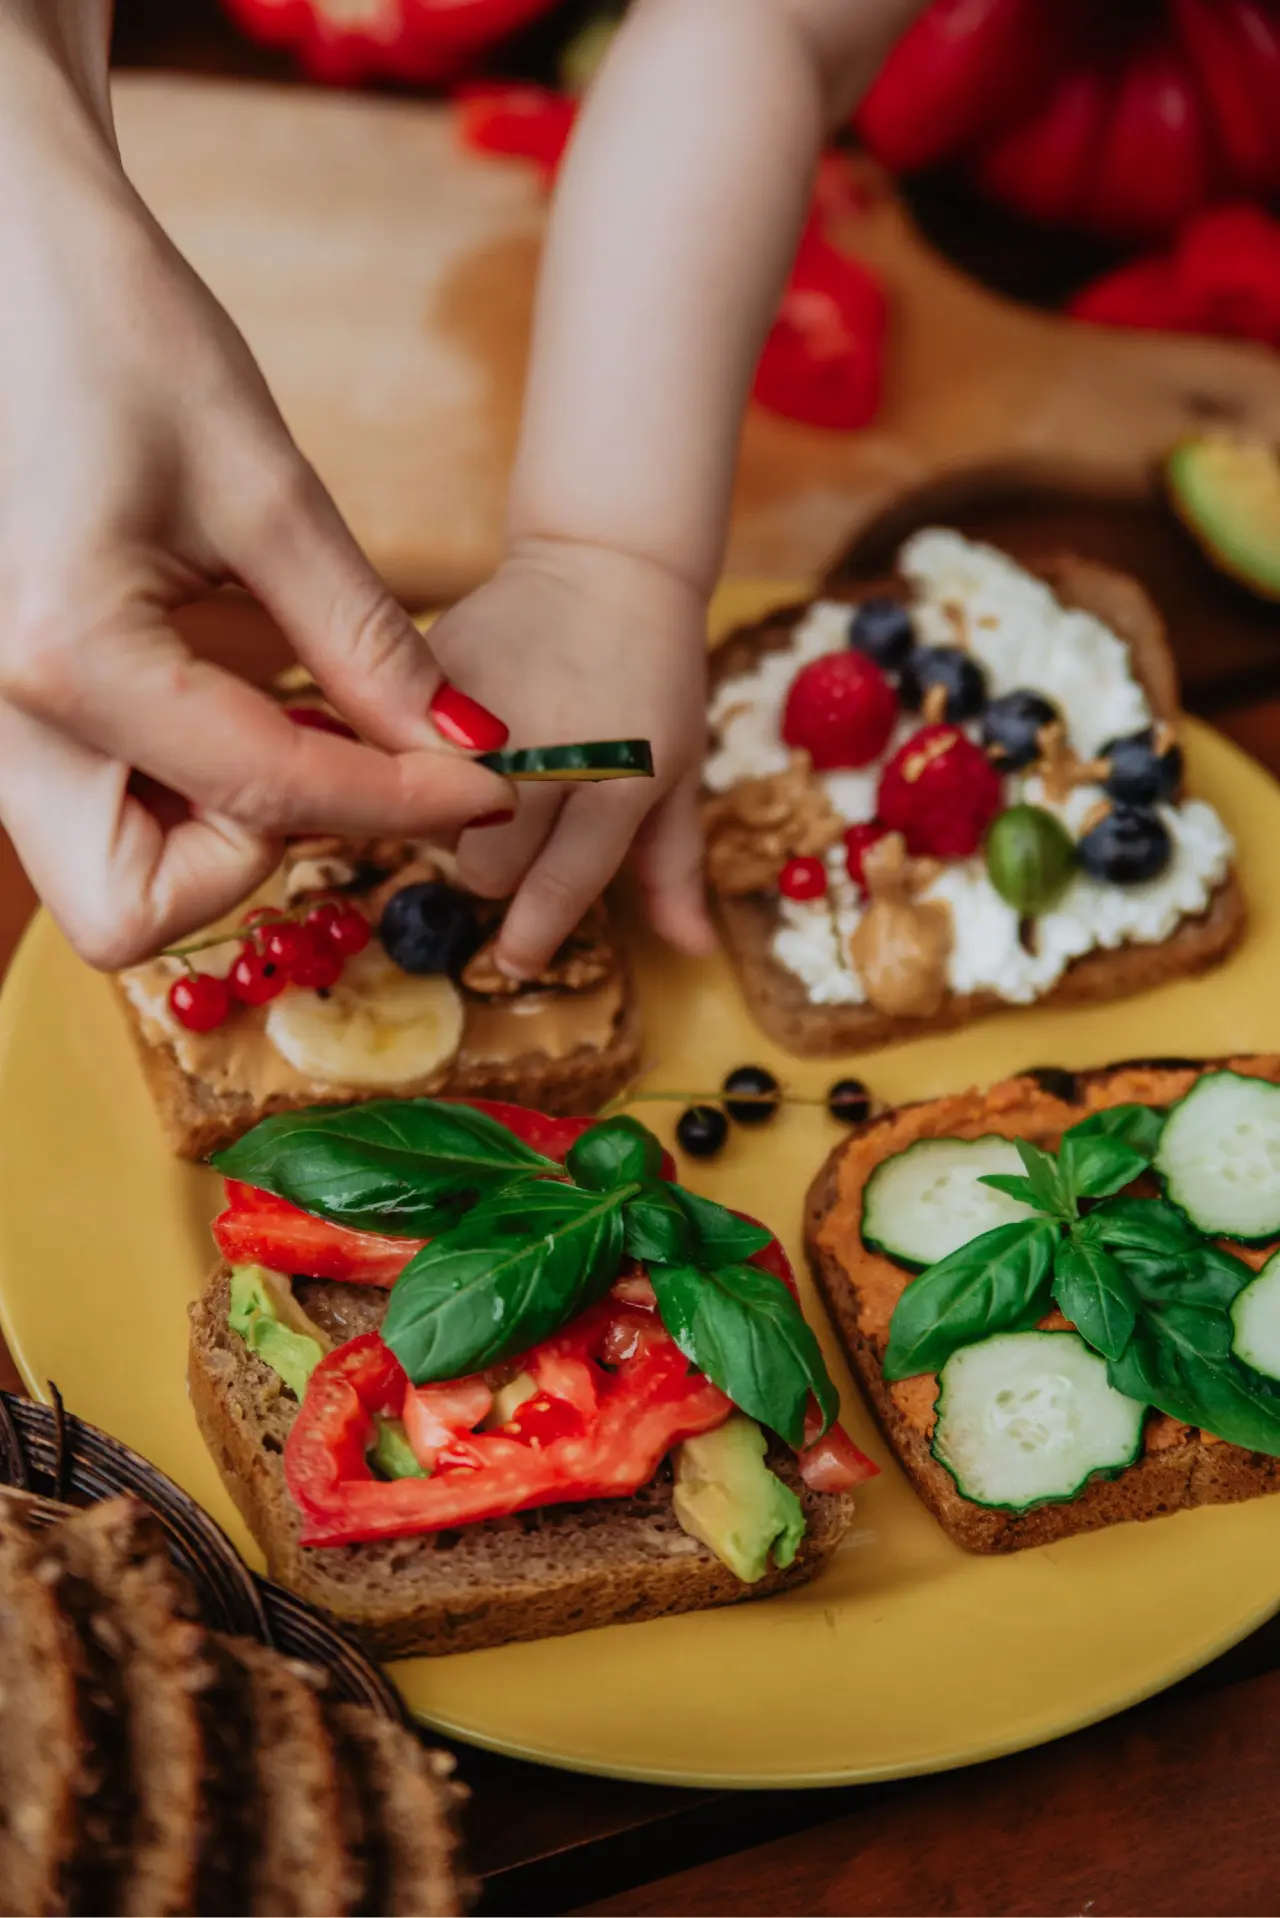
701, 1131
1141, 773
1011, 728
1128, 846
960, 676
763, 1095
882, 629
849, 1101
429, 927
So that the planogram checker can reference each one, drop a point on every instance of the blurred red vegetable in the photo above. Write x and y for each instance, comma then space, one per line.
1223, 277
415, 40
822, 363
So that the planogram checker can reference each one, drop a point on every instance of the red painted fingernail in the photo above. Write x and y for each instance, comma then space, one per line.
463, 721
499, 818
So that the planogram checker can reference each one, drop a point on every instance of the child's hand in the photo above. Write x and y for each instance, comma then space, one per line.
142, 464
575, 643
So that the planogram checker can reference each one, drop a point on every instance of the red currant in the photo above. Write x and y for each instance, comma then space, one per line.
803, 879
285, 943
349, 932
318, 966
260, 916
199, 1001
323, 915
255, 978
858, 841
320, 721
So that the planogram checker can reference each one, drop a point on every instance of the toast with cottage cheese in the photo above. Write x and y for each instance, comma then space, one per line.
1174, 1466
419, 1010
848, 929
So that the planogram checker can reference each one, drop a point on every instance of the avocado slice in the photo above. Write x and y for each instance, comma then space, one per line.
1226, 492
391, 1453
726, 1496
274, 1326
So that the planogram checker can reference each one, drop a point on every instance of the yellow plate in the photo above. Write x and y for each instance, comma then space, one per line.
907, 1655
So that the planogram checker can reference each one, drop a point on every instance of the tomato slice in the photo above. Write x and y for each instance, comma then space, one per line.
834, 1463
257, 1228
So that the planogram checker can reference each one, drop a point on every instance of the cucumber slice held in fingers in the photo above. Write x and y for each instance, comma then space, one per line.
593, 760
1028, 1418
924, 1203
1219, 1156
1255, 1314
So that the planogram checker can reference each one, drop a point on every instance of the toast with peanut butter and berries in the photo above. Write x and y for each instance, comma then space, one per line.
961, 792
1061, 1296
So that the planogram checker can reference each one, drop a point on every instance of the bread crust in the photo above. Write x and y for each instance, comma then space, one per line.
1176, 1478
536, 1575
777, 999
197, 1119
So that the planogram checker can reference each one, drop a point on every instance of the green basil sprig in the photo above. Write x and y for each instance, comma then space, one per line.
403, 1167
1141, 1285
520, 1244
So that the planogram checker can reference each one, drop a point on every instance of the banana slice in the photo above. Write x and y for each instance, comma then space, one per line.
378, 1026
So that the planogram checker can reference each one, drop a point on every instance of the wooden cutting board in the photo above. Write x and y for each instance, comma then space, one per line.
385, 280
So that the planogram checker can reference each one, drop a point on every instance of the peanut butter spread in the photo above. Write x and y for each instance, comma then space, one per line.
1016, 1109
754, 828
901, 943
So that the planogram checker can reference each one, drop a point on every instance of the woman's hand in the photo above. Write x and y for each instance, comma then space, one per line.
575, 643
142, 465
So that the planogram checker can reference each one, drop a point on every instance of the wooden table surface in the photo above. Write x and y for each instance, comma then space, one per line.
1172, 1808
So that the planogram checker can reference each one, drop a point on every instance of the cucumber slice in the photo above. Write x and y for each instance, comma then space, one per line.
1220, 1156
1255, 1314
1028, 1418
595, 759
924, 1202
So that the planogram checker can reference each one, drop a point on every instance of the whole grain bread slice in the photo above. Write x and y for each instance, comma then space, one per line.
778, 1000
409, 1804
1179, 1469
537, 1574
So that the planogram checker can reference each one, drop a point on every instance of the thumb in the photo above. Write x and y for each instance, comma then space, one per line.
303, 563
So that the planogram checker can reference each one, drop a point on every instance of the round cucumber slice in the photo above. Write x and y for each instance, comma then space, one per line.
1028, 1418
1255, 1314
924, 1202
595, 759
1220, 1156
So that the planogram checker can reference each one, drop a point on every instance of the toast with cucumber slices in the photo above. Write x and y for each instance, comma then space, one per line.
960, 792
361, 970
1061, 1296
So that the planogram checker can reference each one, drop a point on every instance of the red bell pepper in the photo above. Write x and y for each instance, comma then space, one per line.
1216, 38
415, 40
1043, 166
822, 362
1152, 167
517, 123
1223, 278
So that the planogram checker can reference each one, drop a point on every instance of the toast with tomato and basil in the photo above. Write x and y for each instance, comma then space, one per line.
1062, 1295
473, 1374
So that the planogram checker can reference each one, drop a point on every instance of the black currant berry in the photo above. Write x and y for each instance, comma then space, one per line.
428, 927
1140, 773
882, 629
959, 675
701, 1131
763, 1095
1128, 846
849, 1101
1011, 728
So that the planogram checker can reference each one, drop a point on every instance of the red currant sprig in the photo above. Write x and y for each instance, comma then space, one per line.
279, 950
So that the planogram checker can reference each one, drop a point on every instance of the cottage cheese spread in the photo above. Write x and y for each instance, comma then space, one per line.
1023, 637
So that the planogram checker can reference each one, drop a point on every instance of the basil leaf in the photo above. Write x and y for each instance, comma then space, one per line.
1164, 1257
1138, 1126
742, 1328
1179, 1360
1015, 1186
998, 1282
513, 1271
656, 1227
1045, 1178
722, 1237
1093, 1290
614, 1153
1097, 1165
1150, 1225
400, 1166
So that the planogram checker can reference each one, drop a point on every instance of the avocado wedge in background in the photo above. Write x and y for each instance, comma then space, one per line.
1226, 492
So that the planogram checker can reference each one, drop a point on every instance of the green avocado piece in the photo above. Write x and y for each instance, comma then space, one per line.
291, 1352
391, 1453
726, 1496
1226, 492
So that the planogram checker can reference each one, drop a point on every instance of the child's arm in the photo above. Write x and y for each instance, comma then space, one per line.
674, 223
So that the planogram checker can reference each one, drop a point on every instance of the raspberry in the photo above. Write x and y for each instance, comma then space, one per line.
940, 792
840, 710
857, 842
803, 879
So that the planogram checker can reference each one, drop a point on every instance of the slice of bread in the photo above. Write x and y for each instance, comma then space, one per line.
407, 1848
537, 1574
778, 999
1179, 1468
